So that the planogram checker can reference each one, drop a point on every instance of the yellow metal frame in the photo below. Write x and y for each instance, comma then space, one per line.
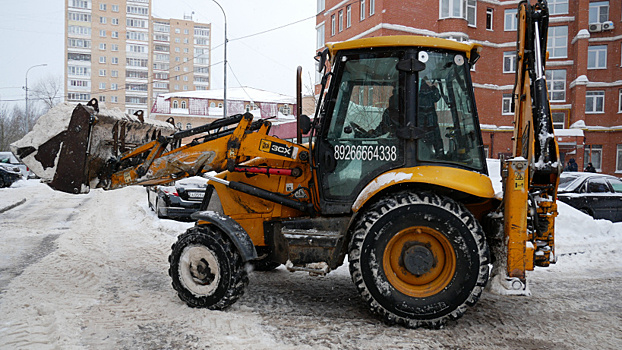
465, 181
404, 40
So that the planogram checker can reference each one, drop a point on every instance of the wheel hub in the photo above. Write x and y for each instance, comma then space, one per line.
201, 272
417, 259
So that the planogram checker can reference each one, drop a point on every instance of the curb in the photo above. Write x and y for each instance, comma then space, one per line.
7, 208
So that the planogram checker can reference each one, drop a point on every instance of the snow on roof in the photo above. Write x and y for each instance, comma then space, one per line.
234, 94
568, 132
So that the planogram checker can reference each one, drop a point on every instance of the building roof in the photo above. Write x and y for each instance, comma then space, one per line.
234, 94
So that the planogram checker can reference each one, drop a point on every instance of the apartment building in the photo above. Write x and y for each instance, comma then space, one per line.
121, 55
584, 73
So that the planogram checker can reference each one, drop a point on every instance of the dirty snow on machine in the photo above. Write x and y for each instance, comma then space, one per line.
72, 147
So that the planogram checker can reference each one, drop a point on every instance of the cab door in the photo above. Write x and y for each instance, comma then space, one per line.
358, 139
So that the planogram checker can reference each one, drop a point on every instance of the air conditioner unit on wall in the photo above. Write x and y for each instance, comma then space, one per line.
596, 27
607, 25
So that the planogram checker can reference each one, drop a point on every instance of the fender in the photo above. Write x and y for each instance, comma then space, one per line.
232, 229
466, 181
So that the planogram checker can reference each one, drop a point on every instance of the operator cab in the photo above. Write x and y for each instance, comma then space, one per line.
394, 107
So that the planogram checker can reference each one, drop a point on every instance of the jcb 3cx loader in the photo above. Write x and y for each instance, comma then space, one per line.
394, 178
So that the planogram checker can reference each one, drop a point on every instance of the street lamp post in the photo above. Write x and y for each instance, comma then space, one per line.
224, 111
26, 88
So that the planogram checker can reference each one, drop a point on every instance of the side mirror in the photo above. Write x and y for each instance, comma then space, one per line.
321, 58
304, 124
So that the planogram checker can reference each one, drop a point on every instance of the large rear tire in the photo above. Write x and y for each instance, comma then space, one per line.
206, 269
419, 259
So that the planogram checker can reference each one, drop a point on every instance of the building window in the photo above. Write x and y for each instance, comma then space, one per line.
507, 107
593, 154
340, 21
320, 36
362, 10
372, 7
558, 7
559, 120
102, 33
320, 5
115, 60
175, 104
595, 102
183, 104
348, 16
509, 62
212, 104
220, 105
114, 35
114, 86
102, 7
102, 20
186, 32
102, 72
597, 57
102, 86
115, 8
332, 25
451, 9
511, 21
114, 73
114, 99
599, 11
102, 98
102, 59
556, 85
114, 21
102, 46
489, 13
557, 42
619, 158
620, 101
471, 12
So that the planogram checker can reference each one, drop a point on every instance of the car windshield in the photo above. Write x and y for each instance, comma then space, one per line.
565, 181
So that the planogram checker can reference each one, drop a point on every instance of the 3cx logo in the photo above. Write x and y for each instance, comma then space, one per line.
276, 148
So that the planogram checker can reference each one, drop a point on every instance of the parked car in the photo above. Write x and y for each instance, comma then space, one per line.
9, 174
597, 195
9, 158
179, 201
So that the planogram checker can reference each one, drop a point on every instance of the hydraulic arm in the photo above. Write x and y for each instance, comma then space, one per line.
531, 176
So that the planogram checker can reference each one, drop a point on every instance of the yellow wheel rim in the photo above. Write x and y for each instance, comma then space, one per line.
419, 261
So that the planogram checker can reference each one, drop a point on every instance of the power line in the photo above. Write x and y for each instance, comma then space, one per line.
273, 29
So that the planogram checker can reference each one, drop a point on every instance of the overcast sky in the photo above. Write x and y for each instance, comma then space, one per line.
32, 33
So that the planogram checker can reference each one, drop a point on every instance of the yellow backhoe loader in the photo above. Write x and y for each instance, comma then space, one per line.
394, 178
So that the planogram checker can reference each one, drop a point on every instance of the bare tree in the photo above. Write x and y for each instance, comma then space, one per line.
49, 90
14, 124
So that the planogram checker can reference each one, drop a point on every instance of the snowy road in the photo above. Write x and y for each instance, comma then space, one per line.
90, 271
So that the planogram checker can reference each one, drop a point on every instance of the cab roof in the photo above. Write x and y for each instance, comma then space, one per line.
403, 40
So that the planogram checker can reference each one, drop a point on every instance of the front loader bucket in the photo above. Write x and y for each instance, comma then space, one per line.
69, 147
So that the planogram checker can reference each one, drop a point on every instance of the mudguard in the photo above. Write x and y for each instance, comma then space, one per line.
232, 229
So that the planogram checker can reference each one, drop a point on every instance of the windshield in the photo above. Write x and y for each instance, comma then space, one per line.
445, 111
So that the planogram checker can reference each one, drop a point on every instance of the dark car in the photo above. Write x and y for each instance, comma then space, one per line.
179, 201
598, 195
9, 174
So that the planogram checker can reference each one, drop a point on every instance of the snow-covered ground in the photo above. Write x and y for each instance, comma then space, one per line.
90, 271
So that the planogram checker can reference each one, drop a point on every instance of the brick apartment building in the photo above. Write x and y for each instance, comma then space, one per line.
118, 53
584, 72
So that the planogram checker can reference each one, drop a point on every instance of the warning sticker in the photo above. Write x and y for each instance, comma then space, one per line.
519, 182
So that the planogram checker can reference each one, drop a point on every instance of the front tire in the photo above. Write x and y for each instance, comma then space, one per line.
206, 269
419, 259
